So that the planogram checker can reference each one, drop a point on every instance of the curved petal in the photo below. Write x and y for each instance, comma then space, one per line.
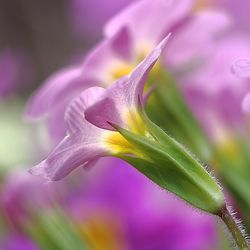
74, 115
71, 153
241, 67
123, 95
143, 17
81, 146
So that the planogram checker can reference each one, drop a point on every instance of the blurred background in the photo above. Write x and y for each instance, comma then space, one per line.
112, 206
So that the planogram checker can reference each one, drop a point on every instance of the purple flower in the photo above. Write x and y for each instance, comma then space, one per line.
86, 142
123, 201
215, 89
22, 194
129, 37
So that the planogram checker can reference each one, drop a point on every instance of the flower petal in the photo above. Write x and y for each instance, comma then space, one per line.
64, 85
123, 94
159, 13
74, 115
81, 146
73, 152
241, 67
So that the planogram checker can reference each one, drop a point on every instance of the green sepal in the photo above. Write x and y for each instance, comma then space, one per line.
172, 167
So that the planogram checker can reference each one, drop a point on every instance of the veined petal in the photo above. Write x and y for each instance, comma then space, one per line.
163, 14
241, 67
74, 151
123, 95
74, 115
82, 145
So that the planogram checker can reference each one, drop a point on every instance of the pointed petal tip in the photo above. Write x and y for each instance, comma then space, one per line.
40, 171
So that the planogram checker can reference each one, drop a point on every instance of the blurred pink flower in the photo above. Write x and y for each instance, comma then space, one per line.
129, 36
146, 216
21, 195
85, 142
215, 89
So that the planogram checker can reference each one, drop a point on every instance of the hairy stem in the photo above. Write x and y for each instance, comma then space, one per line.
234, 228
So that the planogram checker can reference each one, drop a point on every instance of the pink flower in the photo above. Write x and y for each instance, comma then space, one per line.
129, 36
85, 142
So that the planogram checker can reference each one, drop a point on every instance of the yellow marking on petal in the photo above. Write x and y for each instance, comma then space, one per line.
121, 70
117, 144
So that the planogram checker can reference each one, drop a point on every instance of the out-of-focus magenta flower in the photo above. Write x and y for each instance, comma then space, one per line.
88, 16
129, 36
215, 89
16, 241
146, 217
21, 195
11, 72
118, 105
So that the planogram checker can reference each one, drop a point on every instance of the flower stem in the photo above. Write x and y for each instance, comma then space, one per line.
234, 228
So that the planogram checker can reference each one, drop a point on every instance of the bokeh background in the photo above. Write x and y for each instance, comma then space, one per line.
112, 206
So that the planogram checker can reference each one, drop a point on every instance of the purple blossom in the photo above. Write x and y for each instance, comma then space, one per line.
86, 142
215, 89
129, 36
145, 216
22, 194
